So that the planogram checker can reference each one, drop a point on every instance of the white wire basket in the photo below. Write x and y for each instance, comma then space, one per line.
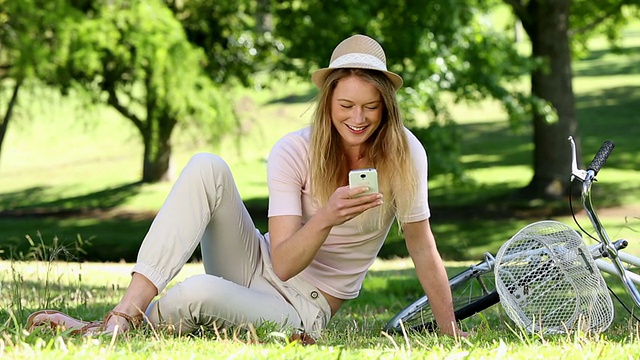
548, 282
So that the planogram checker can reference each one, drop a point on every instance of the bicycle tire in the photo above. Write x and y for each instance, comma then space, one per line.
473, 290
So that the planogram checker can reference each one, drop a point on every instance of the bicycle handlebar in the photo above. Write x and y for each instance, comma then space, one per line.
587, 177
600, 158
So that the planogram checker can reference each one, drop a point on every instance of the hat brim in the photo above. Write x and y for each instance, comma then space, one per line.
319, 76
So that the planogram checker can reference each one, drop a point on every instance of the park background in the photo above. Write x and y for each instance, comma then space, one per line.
73, 186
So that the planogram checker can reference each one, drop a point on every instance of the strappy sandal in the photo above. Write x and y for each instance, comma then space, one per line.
303, 338
82, 327
100, 327
32, 323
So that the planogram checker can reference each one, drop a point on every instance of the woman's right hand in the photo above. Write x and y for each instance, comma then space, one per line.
345, 204
294, 244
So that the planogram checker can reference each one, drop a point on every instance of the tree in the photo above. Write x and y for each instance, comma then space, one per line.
235, 36
27, 48
447, 47
440, 47
554, 28
135, 57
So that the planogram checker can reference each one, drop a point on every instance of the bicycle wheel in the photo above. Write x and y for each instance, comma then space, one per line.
473, 290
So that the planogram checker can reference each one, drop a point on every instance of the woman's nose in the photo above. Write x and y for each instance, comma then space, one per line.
359, 115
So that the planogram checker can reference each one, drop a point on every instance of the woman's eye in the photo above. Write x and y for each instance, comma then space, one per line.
346, 106
371, 107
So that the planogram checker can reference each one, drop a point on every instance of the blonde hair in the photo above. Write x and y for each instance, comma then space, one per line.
388, 148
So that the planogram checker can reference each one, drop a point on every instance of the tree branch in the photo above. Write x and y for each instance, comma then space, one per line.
4, 124
598, 20
115, 102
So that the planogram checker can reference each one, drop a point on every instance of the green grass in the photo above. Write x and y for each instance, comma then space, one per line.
88, 290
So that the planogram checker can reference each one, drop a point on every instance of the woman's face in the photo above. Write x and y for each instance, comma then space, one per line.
356, 110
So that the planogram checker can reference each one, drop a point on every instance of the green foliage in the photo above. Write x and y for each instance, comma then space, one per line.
134, 56
436, 46
28, 49
552, 28
443, 140
608, 17
139, 51
235, 36
27, 37
439, 47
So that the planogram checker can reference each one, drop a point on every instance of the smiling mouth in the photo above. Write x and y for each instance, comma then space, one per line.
356, 128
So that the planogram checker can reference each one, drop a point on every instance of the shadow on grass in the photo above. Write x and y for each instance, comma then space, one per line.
509, 149
597, 66
87, 221
612, 114
30, 201
115, 239
104, 233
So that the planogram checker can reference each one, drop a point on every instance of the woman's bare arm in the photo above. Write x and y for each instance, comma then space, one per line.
432, 274
294, 245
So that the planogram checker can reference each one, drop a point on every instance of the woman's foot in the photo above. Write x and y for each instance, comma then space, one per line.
114, 322
55, 320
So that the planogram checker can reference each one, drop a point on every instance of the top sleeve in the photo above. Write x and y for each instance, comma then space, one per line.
420, 209
287, 175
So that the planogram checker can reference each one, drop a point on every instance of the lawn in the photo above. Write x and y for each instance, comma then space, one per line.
88, 290
60, 163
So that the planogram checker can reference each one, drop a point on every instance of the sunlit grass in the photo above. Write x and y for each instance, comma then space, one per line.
88, 290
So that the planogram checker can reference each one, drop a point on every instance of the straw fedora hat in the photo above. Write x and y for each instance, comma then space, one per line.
357, 51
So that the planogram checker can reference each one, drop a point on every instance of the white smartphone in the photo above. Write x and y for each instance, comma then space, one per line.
364, 177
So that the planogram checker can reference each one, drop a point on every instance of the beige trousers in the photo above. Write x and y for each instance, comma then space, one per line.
239, 286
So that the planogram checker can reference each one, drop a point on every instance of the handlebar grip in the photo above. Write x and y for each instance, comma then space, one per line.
602, 155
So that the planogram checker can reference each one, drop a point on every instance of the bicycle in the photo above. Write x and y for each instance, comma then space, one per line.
474, 289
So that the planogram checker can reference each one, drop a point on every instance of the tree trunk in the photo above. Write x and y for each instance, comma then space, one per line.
156, 165
548, 28
4, 124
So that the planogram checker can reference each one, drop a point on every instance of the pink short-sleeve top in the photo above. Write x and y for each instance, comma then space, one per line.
340, 266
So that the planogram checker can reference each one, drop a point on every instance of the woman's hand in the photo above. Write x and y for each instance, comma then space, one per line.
345, 204
293, 246
454, 331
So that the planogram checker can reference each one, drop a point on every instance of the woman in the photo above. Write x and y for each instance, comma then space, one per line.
322, 236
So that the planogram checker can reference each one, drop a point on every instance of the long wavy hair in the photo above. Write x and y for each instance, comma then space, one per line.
387, 148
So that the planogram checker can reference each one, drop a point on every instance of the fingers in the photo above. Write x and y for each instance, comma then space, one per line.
361, 195
348, 203
364, 202
358, 191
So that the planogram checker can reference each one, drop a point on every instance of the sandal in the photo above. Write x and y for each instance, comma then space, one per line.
303, 338
78, 326
100, 327
66, 322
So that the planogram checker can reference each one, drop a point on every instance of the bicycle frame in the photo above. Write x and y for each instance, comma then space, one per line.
609, 268
419, 316
607, 247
